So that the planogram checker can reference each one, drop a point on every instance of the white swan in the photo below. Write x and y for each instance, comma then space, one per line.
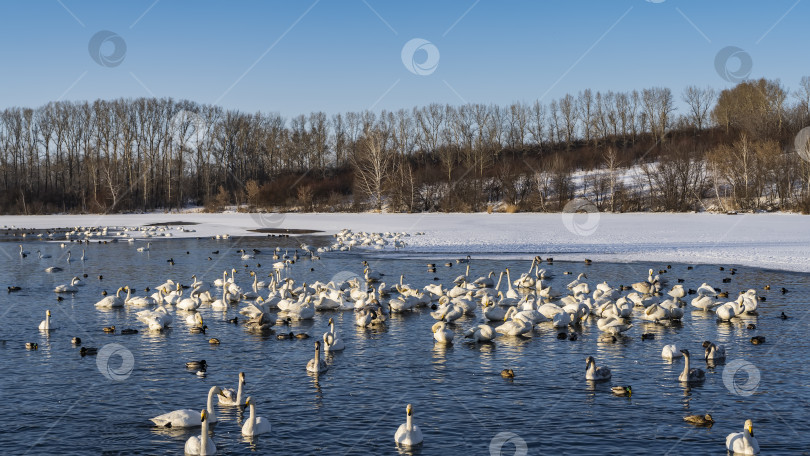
480, 333
510, 292
703, 302
690, 375
316, 365
192, 302
613, 325
144, 249
408, 434
441, 333
514, 327
670, 352
67, 288
743, 442
596, 373
331, 340
187, 417
254, 425
202, 444
45, 325
112, 301
231, 397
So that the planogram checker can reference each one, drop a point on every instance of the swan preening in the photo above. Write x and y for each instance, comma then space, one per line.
743, 442
188, 417
408, 434
230, 397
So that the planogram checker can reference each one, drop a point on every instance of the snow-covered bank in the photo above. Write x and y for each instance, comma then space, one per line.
778, 241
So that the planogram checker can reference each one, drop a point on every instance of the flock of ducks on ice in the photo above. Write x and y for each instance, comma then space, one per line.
527, 301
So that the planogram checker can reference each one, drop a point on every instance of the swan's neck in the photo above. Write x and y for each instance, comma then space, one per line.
409, 422
252, 419
500, 277
47, 320
210, 405
118, 293
591, 368
239, 393
128, 293
686, 365
318, 357
204, 438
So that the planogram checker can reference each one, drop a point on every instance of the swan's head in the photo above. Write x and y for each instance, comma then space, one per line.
242, 378
685, 352
706, 343
203, 415
252, 273
249, 402
409, 410
48, 313
331, 321
317, 345
749, 426
589, 361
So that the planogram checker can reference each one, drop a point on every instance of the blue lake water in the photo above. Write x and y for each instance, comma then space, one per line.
57, 402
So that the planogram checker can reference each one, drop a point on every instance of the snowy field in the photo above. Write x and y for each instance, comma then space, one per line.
777, 241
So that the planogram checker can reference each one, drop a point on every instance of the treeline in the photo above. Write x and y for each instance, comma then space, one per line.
728, 151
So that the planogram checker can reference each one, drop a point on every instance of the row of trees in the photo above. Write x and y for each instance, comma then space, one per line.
734, 148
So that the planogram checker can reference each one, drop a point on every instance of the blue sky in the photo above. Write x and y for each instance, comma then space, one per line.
292, 57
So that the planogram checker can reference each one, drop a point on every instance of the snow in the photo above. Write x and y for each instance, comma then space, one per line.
773, 240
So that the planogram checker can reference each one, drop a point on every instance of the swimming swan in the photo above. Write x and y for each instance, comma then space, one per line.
45, 325
316, 365
254, 425
670, 352
596, 373
231, 397
408, 434
690, 375
202, 444
743, 442
186, 417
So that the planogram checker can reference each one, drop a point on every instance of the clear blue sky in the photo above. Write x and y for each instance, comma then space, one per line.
342, 55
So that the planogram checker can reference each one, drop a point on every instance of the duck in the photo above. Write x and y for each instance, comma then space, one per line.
202, 444
45, 324
316, 365
758, 340
109, 329
31, 346
230, 397
185, 418
596, 373
76, 341
699, 420
441, 333
408, 434
743, 442
213, 341
201, 364
508, 373
622, 390
254, 425
670, 352
690, 375
85, 351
